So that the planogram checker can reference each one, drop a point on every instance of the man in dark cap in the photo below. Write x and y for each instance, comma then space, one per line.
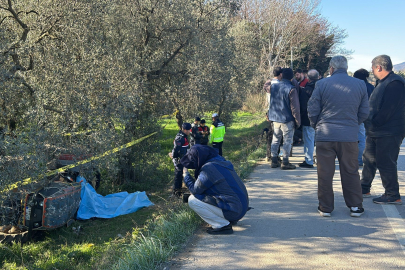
217, 131
204, 131
181, 145
195, 135
363, 74
218, 194
284, 111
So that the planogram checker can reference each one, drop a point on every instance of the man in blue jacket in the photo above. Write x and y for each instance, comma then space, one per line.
284, 112
219, 196
385, 130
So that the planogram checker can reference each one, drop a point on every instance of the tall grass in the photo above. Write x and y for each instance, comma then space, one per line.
169, 232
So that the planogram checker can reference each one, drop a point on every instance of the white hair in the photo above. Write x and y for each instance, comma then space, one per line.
338, 62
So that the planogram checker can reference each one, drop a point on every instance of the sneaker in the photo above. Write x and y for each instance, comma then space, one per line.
367, 195
223, 230
305, 165
323, 214
384, 199
288, 166
356, 211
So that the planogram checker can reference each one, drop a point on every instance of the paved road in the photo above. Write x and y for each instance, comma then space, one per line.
285, 231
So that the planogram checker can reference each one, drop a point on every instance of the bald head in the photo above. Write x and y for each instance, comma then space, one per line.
313, 75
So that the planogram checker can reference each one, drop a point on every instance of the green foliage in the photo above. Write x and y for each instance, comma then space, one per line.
164, 226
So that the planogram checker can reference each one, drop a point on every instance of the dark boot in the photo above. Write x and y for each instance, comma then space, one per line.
275, 162
287, 165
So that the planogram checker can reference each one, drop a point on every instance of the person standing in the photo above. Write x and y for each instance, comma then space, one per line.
195, 135
180, 148
336, 108
217, 131
308, 132
385, 130
363, 74
284, 112
204, 131
300, 77
276, 79
277, 72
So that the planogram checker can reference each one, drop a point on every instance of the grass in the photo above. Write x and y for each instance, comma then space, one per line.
146, 238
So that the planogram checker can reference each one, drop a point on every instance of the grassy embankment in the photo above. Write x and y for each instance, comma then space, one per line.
143, 239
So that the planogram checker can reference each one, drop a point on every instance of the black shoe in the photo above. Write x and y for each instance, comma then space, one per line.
177, 193
275, 162
384, 199
288, 166
223, 230
356, 211
305, 165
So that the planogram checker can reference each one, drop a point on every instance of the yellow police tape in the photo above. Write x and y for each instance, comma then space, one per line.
109, 152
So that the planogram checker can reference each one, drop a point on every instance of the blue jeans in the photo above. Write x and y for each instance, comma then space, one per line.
308, 135
361, 136
285, 131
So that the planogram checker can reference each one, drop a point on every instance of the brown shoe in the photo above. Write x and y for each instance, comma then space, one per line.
288, 166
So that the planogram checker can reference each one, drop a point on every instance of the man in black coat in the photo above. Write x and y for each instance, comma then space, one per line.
180, 147
308, 132
385, 130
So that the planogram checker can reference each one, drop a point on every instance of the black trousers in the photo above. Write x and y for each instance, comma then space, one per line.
269, 139
218, 145
382, 153
178, 174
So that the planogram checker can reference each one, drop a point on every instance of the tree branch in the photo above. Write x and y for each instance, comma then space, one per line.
21, 23
49, 108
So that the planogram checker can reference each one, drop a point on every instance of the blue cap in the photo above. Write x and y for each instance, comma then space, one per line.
186, 126
215, 115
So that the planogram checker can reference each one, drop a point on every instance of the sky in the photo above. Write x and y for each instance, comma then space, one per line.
374, 27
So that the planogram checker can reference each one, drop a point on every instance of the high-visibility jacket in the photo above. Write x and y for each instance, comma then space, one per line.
217, 131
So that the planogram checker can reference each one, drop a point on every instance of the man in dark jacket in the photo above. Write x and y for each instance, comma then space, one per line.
385, 130
308, 132
218, 194
337, 106
181, 145
276, 79
284, 112
204, 131
195, 135
363, 74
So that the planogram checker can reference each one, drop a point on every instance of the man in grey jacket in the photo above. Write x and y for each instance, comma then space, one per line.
336, 108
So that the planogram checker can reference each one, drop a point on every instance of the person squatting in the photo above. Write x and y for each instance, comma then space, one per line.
218, 195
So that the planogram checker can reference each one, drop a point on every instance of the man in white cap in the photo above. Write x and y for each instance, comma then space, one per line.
217, 131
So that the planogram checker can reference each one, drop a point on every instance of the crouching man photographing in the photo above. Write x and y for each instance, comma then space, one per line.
218, 195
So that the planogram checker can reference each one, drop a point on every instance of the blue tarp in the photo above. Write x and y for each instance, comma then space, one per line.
112, 205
